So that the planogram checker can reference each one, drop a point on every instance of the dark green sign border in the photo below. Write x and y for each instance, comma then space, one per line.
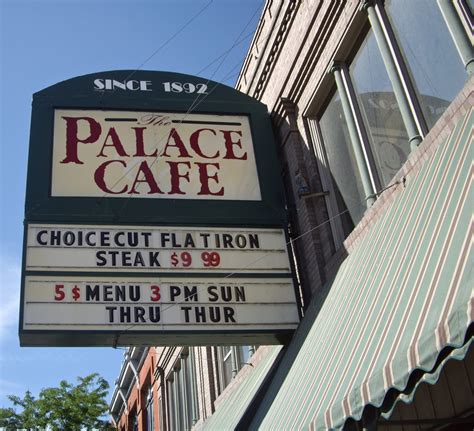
79, 93
41, 207
122, 337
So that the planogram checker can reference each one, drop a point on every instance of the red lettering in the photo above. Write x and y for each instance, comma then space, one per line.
99, 177
140, 145
194, 142
176, 175
115, 143
72, 139
204, 177
178, 143
229, 145
148, 178
59, 290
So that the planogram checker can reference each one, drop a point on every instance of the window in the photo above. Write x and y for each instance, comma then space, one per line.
361, 139
178, 402
388, 138
245, 353
133, 421
230, 360
226, 366
435, 65
430, 53
161, 415
191, 388
150, 417
182, 404
340, 176
170, 402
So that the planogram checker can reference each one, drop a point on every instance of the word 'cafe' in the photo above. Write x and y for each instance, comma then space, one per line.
157, 154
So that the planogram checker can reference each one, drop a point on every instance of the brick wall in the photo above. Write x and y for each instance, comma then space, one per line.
136, 401
296, 43
291, 77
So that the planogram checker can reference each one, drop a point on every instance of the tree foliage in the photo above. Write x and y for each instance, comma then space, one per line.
28, 416
67, 407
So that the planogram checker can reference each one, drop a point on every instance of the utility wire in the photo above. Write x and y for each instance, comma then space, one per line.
167, 41
291, 242
196, 102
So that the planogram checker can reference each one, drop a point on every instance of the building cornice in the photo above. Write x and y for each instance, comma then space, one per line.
267, 55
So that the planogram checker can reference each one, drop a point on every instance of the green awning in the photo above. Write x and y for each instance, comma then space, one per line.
400, 306
401, 301
231, 409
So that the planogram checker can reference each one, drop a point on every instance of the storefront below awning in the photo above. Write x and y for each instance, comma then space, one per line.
400, 306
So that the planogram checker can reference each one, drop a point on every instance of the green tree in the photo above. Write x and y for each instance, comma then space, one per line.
67, 407
27, 418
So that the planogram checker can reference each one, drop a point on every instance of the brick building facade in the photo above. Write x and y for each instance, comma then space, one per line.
371, 103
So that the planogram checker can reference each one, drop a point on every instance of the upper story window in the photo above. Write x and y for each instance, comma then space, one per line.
226, 366
245, 353
339, 167
434, 63
150, 415
230, 360
182, 404
134, 421
403, 73
388, 138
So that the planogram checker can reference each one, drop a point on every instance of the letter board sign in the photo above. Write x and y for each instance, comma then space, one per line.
154, 215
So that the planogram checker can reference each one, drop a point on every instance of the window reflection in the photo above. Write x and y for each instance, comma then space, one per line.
230, 359
387, 134
437, 73
348, 189
434, 63
150, 417
227, 364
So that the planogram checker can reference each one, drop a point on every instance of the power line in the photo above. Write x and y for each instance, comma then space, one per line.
167, 41
289, 243
196, 102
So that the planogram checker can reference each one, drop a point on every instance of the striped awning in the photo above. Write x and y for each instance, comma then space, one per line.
402, 301
402, 298
230, 411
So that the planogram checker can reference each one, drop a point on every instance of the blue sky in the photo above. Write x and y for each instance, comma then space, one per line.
46, 41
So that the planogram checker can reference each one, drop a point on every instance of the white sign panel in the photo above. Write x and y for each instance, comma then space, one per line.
155, 249
129, 154
158, 304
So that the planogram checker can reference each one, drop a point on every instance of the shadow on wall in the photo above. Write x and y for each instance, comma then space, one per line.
317, 254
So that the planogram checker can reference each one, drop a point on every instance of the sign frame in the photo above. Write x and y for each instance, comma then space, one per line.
151, 91
168, 337
76, 94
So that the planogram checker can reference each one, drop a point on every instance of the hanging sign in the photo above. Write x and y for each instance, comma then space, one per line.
154, 214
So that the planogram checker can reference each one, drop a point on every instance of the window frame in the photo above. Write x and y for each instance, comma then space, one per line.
182, 403
345, 55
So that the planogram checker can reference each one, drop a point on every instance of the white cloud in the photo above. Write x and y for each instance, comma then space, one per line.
10, 279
